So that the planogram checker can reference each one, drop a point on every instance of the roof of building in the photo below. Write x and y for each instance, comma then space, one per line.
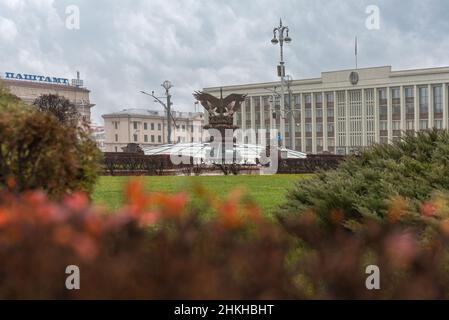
41, 85
137, 112
311, 81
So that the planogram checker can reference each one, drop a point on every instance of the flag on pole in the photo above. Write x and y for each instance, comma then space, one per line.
356, 66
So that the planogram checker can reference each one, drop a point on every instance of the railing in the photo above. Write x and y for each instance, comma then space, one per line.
311, 164
125, 164
132, 164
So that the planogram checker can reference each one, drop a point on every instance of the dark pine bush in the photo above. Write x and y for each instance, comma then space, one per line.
413, 169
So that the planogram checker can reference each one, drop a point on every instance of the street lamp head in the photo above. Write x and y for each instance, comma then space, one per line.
274, 41
287, 38
167, 85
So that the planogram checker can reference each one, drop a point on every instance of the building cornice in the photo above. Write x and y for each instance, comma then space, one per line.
419, 72
31, 84
319, 81
196, 117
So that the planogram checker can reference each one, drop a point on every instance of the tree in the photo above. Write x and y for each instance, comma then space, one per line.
40, 151
64, 110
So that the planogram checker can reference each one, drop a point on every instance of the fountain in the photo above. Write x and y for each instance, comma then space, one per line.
221, 118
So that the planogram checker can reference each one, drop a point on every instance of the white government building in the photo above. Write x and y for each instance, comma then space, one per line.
345, 111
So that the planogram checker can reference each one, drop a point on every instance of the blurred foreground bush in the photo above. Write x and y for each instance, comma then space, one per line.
151, 248
37, 151
363, 187
156, 248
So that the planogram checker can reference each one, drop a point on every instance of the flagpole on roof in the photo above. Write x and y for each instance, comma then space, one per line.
356, 60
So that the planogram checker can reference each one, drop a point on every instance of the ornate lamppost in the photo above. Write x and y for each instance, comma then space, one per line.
167, 85
280, 35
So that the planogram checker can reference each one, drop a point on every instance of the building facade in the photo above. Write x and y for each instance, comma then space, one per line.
29, 87
345, 111
149, 128
98, 135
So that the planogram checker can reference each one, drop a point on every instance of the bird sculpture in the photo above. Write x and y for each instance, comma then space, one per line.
219, 106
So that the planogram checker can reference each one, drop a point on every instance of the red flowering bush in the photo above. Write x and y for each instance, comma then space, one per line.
153, 247
162, 246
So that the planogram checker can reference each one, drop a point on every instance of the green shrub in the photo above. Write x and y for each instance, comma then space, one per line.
412, 168
39, 152
7, 100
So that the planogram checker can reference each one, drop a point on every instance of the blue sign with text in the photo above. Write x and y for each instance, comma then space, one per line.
36, 78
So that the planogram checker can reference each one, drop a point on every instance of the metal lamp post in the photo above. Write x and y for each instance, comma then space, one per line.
289, 114
274, 95
291, 119
167, 85
280, 35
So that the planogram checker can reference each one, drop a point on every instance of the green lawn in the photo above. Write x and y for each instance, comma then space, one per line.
267, 191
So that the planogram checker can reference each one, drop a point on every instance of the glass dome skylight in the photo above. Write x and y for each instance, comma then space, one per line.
203, 152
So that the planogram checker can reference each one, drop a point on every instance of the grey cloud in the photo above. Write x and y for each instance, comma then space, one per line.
127, 46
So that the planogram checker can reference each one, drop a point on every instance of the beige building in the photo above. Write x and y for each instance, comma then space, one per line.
98, 135
149, 128
29, 87
344, 111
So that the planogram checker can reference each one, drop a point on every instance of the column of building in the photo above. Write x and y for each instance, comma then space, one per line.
364, 119
403, 126
445, 106
253, 122
335, 121
416, 101
262, 119
325, 123
376, 116
430, 109
314, 133
243, 119
389, 115
347, 142
303, 122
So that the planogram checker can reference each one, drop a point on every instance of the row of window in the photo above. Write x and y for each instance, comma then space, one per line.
152, 126
382, 95
409, 94
145, 138
319, 127
319, 144
135, 124
410, 125
145, 126
159, 138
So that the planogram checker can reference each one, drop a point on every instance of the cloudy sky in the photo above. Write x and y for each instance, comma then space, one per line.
123, 47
